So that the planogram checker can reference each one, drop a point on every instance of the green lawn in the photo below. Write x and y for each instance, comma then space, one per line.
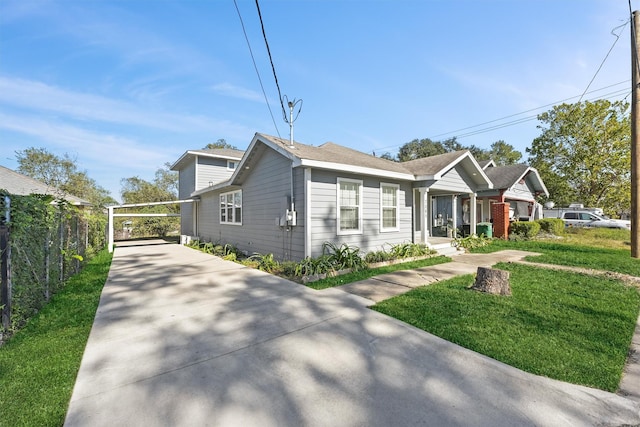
330, 282
39, 365
567, 326
572, 254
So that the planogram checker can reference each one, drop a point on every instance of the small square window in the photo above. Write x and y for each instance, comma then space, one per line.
231, 165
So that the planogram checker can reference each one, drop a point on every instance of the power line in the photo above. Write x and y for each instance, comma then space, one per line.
256, 68
456, 134
527, 111
273, 68
609, 95
617, 36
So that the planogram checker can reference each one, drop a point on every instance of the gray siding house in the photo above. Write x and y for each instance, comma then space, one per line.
519, 185
199, 169
290, 199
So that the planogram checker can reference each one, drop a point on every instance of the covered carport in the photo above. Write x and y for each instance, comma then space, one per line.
112, 214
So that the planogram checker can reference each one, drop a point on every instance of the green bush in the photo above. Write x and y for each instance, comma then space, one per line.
310, 266
471, 242
344, 256
553, 226
525, 229
265, 262
407, 250
378, 256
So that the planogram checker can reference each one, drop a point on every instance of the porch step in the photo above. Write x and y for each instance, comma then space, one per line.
445, 249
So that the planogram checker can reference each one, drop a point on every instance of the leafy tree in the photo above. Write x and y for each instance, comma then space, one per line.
220, 143
164, 188
388, 156
501, 152
504, 154
419, 148
584, 154
61, 173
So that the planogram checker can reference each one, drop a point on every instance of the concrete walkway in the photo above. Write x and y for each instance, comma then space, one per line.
182, 338
385, 286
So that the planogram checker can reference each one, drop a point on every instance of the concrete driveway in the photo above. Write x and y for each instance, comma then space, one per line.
183, 338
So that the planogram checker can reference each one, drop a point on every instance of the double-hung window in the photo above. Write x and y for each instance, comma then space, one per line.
389, 207
231, 207
349, 206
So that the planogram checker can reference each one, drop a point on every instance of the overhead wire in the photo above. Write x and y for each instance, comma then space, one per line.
273, 68
526, 111
617, 36
255, 66
609, 95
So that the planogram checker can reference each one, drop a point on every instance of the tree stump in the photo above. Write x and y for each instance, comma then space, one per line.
492, 281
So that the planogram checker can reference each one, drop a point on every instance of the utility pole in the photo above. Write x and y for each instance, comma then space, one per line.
635, 136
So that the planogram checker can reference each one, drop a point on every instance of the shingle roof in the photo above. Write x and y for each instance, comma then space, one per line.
334, 153
225, 153
434, 164
221, 152
22, 185
506, 176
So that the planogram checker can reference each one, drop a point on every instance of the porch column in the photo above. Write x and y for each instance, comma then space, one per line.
454, 214
473, 213
423, 192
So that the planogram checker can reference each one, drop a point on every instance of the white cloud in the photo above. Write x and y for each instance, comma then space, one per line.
38, 96
105, 149
227, 89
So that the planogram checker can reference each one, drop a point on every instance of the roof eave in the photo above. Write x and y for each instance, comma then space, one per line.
318, 164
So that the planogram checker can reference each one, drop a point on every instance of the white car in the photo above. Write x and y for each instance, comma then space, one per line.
590, 219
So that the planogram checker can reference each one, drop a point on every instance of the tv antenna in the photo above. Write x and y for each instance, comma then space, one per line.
292, 105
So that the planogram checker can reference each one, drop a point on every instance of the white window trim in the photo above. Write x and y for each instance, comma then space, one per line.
235, 165
360, 184
233, 208
384, 229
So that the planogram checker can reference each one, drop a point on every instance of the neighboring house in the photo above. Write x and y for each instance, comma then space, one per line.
518, 184
290, 199
22, 185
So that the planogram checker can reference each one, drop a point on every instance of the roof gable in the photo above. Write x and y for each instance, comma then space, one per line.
216, 153
505, 177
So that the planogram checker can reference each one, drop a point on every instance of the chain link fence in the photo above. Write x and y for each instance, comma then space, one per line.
42, 242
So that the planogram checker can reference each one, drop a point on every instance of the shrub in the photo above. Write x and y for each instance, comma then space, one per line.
407, 250
230, 257
288, 268
265, 262
344, 256
525, 229
551, 225
310, 266
378, 256
471, 242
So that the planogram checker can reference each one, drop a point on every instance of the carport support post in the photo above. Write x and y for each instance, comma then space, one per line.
110, 229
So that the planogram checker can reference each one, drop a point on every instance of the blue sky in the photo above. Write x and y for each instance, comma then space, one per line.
125, 86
